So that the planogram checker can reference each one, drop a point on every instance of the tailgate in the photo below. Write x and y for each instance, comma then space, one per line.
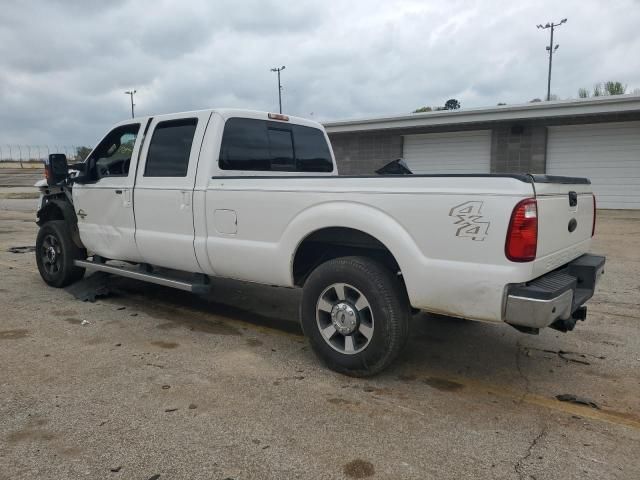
565, 220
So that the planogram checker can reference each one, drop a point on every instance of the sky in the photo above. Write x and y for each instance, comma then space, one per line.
65, 65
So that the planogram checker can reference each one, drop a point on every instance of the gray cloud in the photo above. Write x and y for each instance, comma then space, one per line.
64, 65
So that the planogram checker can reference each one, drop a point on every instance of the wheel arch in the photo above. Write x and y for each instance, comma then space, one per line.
60, 209
334, 229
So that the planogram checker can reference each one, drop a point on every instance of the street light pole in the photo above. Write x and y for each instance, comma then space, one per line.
131, 93
551, 49
279, 69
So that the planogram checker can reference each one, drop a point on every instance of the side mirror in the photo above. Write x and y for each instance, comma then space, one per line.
56, 169
86, 171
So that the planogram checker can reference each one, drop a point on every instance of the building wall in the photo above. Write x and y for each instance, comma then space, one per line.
364, 153
515, 146
518, 149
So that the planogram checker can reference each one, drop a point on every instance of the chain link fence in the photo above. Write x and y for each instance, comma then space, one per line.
35, 153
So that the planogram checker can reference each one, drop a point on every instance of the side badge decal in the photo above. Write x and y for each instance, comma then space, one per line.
469, 221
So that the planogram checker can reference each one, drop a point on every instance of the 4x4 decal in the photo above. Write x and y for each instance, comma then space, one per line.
470, 221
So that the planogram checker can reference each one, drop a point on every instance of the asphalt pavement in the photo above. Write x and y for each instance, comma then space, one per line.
150, 382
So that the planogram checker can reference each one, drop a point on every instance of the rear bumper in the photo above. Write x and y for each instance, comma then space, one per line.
554, 299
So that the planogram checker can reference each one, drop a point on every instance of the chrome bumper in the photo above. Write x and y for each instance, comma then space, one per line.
554, 297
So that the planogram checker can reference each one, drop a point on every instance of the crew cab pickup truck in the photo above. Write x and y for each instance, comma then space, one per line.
177, 199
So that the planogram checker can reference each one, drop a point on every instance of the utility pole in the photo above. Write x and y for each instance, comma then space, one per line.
279, 69
131, 93
551, 49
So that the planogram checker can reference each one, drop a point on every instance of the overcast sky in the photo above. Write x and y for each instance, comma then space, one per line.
64, 65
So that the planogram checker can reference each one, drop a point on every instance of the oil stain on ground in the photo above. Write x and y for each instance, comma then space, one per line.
443, 384
29, 435
163, 344
341, 401
214, 327
13, 334
359, 469
73, 321
64, 313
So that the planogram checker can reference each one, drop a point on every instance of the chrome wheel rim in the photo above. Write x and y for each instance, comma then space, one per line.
51, 254
344, 318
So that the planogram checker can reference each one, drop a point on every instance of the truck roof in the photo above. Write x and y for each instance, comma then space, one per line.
233, 112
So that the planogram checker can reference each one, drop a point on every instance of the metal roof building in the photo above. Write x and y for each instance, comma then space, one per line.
598, 138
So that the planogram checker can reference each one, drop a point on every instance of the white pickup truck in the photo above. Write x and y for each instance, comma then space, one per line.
176, 199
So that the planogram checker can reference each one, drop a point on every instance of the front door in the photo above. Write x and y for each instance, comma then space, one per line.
163, 195
104, 206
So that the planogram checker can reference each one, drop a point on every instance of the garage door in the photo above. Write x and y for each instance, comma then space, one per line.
451, 152
607, 153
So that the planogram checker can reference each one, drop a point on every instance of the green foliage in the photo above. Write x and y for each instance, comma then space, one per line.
614, 88
583, 93
604, 89
83, 152
598, 91
452, 104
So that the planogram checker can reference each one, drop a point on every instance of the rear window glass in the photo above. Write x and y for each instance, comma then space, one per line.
259, 145
170, 148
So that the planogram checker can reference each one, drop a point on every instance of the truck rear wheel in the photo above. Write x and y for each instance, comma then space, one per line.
355, 313
55, 253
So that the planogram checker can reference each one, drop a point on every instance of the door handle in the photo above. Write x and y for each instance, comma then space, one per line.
118, 192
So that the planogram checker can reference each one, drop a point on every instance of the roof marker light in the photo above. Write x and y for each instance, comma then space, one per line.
278, 116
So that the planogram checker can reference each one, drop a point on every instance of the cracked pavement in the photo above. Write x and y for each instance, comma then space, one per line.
160, 382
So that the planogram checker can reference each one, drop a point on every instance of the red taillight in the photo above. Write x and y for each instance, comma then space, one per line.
522, 236
593, 227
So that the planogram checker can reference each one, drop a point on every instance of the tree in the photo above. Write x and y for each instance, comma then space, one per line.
583, 93
598, 91
535, 100
422, 110
452, 104
604, 89
501, 104
614, 88
83, 152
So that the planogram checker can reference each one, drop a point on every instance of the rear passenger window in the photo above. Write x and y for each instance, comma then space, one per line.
170, 148
259, 145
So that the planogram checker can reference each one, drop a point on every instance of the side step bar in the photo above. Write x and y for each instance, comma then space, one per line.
195, 287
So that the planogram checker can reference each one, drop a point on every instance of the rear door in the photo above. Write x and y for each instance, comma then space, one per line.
163, 194
565, 222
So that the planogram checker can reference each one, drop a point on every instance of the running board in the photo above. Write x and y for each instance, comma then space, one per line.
195, 287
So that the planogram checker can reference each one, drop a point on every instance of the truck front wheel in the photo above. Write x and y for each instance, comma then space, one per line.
355, 313
55, 253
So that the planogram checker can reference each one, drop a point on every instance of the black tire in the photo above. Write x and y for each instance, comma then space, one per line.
55, 253
387, 313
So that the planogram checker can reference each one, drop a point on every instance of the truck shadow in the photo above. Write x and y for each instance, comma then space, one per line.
259, 305
438, 344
